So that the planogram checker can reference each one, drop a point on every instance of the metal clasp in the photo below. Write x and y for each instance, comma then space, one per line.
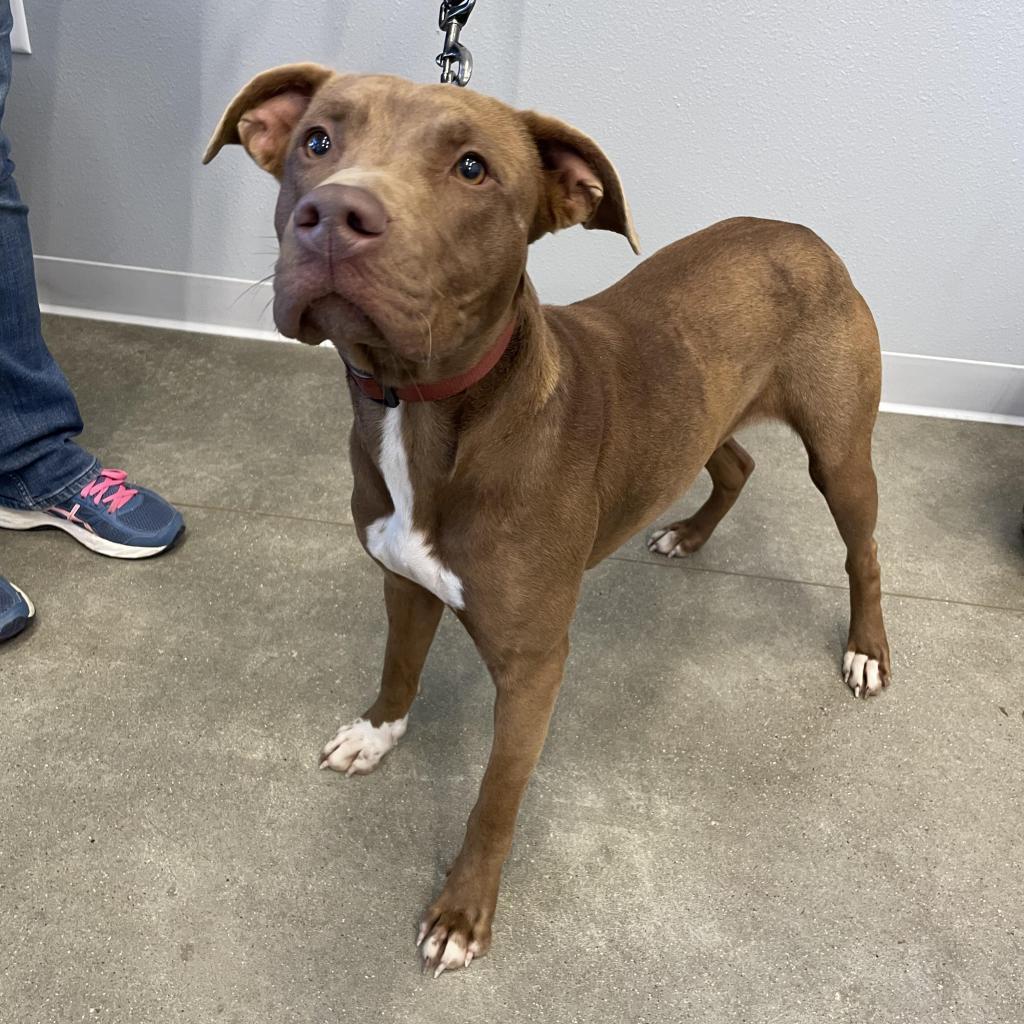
455, 60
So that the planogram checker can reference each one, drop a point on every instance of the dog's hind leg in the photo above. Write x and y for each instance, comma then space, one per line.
413, 615
849, 486
835, 422
729, 466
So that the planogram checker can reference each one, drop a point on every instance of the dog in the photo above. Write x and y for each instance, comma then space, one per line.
500, 447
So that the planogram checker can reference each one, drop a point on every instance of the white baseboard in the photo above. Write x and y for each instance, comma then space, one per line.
155, 298
19, 33
964, 389
921, 385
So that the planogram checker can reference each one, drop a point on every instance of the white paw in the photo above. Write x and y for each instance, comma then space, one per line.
665, 542
860, 673
358, 747
445, 951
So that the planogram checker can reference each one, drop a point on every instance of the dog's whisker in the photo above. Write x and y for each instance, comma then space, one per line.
430, 337
251, 288
256, 284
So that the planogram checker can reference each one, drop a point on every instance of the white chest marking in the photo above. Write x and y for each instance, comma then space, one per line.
393, 540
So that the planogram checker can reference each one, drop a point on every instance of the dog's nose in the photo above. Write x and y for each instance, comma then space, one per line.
342, 220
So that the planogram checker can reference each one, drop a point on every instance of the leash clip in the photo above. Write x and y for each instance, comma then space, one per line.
455, 60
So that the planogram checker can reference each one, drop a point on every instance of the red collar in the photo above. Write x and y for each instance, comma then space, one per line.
436, 390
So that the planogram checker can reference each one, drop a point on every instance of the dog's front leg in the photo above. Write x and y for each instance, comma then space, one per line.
413, 615
457, 926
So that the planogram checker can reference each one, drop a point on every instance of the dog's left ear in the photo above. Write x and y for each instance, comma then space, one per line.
579, 184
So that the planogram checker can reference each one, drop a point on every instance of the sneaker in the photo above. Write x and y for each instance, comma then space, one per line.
108, 516
16, 610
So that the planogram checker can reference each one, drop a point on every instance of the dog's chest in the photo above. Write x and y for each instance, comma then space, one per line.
393, 540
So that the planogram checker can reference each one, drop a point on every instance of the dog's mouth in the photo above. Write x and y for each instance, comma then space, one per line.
314, 308
329, 317
309, 307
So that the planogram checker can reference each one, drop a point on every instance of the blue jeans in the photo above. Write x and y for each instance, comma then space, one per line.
40, 464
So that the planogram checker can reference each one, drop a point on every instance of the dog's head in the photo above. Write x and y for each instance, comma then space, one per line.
405, 210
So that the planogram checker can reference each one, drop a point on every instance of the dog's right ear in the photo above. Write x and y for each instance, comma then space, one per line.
264, 114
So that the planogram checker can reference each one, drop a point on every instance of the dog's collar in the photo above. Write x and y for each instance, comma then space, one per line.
436, 390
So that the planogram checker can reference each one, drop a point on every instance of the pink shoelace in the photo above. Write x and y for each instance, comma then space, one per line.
97, 490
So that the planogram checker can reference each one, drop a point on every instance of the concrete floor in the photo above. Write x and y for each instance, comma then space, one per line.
717, 832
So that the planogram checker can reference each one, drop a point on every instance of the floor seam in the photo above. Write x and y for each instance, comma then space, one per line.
813, 583
643, 562
261, 512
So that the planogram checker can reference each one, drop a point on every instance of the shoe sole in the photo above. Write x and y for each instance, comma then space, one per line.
15, 626
28, 520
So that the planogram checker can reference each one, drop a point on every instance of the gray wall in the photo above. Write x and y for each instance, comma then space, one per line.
894, 129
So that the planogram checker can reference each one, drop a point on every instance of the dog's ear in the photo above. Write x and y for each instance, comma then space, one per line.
264, 114
579, 185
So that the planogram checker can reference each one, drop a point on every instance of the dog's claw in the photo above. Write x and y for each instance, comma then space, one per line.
444, 949
673, 542
862, 674
357, 748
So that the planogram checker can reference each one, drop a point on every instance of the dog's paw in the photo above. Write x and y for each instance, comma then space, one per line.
863, 674
450, 939
676, 540
358, 747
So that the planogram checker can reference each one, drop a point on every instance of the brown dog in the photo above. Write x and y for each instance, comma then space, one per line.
500, 448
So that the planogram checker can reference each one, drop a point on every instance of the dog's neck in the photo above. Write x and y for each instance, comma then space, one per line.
477, 428
529, 363
390, 371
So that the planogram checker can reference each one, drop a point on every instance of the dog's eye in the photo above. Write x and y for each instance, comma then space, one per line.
471, 168
318, 142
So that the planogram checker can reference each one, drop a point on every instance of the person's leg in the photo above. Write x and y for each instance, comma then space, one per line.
45, 478
39, 463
